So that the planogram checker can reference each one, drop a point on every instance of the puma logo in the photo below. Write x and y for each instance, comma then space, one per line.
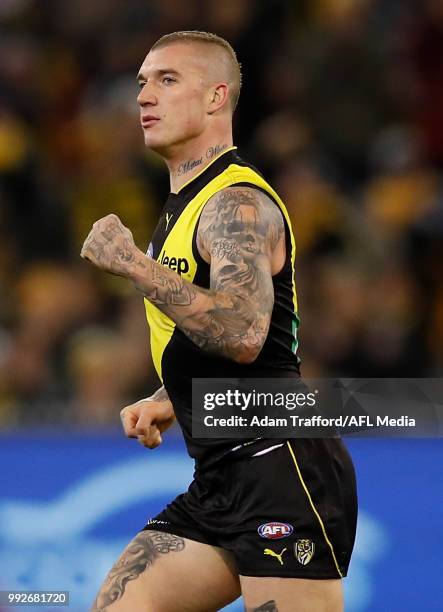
168, 218
268, 551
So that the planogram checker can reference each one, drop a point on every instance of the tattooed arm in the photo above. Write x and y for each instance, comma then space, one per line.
161, 395
269, 606
238, 233
239, 230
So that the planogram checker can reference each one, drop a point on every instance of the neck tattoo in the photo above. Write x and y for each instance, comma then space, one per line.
190, 164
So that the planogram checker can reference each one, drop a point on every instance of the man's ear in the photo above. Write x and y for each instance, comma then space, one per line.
218, 97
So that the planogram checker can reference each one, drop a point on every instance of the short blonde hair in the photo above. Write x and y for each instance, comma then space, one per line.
234, 67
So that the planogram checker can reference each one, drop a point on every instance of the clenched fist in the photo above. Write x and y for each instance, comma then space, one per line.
146, 420
110, 246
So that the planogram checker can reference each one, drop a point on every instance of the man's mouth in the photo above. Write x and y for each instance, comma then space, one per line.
148, 120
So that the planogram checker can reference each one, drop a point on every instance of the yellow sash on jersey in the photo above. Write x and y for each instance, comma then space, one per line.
178, 245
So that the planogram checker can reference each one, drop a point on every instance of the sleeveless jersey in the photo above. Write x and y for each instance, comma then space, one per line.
176, 358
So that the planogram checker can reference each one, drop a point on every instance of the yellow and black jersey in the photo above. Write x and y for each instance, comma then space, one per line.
176, 358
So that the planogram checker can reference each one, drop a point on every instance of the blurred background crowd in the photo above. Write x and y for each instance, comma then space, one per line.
341, 109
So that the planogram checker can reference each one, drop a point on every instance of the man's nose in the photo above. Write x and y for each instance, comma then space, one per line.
146, 96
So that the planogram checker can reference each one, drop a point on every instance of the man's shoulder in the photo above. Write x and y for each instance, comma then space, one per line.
238, 195
238, 201
239, 210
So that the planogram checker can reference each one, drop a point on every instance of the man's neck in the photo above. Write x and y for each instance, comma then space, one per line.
185, 164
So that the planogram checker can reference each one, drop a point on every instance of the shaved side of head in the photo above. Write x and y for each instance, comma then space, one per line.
220, 58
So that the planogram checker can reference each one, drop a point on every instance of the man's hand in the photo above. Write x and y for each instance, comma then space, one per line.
146, 420
110, 246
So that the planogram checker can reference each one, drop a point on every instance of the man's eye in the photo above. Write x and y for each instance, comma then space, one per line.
141, 84
168, 80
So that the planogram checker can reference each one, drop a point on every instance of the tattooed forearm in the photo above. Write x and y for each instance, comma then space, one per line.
239, 228
238, 231
161, 395
269, 606
216, 321
140, 554
168, 288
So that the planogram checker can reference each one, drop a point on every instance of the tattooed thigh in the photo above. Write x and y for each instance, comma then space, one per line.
268, 606
139, 555
272, 594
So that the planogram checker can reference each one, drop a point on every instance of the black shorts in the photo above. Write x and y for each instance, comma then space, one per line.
288, 512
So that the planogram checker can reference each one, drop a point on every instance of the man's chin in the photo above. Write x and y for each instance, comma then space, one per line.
158, 145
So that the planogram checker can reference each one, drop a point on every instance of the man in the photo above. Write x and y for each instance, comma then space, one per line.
218, 282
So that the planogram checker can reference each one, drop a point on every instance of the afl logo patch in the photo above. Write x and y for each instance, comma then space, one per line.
275, 530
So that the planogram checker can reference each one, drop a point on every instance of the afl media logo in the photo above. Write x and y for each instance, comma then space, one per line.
275, 530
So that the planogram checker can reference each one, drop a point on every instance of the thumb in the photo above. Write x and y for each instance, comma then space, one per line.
129, 421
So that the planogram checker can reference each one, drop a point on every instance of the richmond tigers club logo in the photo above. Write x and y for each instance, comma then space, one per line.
304, 551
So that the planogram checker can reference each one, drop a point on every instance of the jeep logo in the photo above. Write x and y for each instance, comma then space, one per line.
178, 264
